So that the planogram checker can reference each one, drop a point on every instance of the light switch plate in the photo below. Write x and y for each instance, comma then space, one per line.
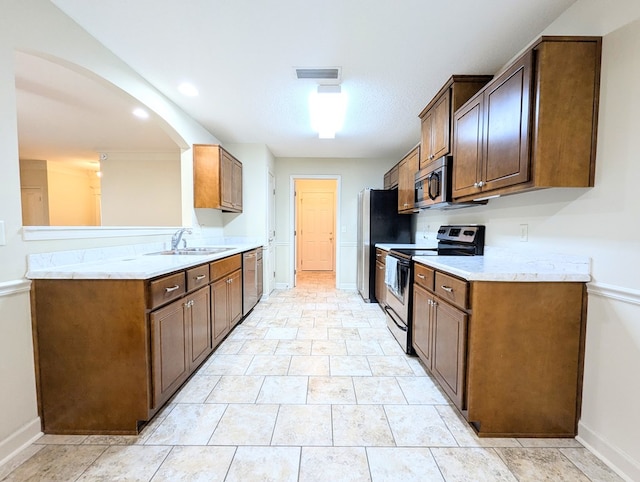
3, 238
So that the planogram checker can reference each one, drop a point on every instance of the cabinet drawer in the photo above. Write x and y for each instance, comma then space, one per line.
197, 277
454, 290
225, 266
423, 276
165, 289
381, 255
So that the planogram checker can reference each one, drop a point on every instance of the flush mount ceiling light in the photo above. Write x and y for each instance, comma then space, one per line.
327, 107
140, 113
188, 89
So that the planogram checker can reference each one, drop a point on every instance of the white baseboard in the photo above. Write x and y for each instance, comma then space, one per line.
19, 440
619, 461
348, 286
282, 286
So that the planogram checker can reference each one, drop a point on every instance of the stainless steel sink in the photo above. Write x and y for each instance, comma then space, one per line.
202, 251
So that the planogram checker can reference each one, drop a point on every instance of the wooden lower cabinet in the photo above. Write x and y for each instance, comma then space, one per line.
510, 357
110, 352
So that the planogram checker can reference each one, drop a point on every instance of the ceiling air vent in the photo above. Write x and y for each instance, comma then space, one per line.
318, 73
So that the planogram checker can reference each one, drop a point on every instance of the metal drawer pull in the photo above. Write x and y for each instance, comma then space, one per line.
172, 288
448, 289
421, 276
201, 276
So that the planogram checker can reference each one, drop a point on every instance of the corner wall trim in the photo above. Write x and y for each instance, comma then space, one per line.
618, 460
619, 293
16, 286
19, 440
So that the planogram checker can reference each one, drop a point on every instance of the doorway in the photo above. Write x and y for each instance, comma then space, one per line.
315, 203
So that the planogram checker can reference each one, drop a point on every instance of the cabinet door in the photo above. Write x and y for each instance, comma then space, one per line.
449, 350
237, 186
426, 131
440, 127
235, 297
199, 321
467, 145
219, 310
381, 288
407, 181
169, 345
506, 133
226, 180
422, 338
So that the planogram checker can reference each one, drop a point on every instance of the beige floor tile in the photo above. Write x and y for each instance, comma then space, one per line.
259, 347
275, 464
236, 389
55, 463
229, 347
187, 424
532, 464
363, 347
331, 390
590, 465
343, 333
227, 365
313, 333
303, 425
48, 439
351, 322
472, 464
418, 369
349, 366
360, 425
389, 366
550, 442
374, 333
393, 464
378, 391
300, 322
272, 323
390, 346
269, 365
309, 365
422, 391
246, 425
281, 389
335, 464
464, 434
418, 426
18, 459
132, 463
281, 334
248, 333
330, 322
195, 464
197, 389
293, 347
328, 347
111, 440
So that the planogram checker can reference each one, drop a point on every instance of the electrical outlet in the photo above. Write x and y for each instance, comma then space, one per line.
524, 233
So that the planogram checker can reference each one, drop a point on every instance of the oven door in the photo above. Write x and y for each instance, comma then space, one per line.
398, 300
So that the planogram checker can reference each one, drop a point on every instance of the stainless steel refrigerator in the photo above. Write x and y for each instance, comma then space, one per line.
378, 222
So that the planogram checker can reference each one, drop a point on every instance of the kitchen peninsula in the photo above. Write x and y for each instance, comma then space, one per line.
118, 331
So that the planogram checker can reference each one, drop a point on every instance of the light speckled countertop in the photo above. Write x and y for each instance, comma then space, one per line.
124, 262
503, 264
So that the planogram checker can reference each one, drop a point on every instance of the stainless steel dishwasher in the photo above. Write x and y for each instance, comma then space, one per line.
251, 279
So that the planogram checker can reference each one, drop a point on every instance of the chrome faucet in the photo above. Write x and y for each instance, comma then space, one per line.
177, 236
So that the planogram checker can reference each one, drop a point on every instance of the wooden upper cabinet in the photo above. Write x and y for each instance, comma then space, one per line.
217, 178
407, 169
391, 178
534, 125
436, 117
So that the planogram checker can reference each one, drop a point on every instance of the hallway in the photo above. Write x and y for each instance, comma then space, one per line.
310, 387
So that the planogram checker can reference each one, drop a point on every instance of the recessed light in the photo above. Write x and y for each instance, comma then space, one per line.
140, 113
188, 89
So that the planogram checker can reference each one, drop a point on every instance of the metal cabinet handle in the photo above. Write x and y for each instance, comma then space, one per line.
171, 288
448, 289
189, 304
381, 267
200, 276
421, 276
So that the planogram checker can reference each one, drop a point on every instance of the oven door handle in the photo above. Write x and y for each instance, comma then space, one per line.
389, 311
436, 186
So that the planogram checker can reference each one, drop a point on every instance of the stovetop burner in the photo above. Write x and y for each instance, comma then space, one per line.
455, 240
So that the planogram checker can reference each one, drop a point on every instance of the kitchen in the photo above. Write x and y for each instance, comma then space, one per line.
585, 222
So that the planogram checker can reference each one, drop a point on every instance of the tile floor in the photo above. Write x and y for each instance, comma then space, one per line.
310, 387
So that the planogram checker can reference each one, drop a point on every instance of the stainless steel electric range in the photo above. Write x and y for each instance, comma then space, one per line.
453, 240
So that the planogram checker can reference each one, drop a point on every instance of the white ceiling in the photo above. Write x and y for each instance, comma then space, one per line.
241, 54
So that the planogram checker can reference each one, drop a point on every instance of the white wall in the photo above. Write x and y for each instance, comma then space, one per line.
355, 175
39, 27
600, 222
